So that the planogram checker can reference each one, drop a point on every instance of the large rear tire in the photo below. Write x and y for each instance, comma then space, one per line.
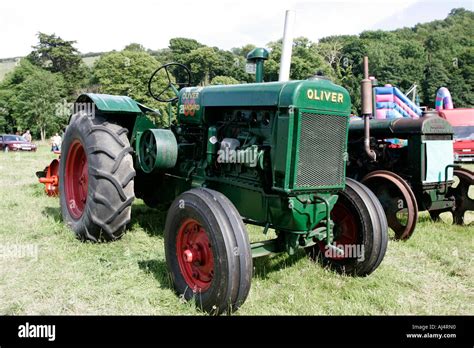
360, 229
96, 178
208, 251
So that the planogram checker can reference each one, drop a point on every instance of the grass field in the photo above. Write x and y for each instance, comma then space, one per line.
89, 61
9, 65
432, 273
6, 67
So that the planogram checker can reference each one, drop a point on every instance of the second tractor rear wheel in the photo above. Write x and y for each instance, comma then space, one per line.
397, 199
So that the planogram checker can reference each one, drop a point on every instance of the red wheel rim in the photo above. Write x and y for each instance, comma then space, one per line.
76, 179
195, 257
346, 223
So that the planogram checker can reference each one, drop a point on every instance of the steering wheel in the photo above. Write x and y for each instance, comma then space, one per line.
174, 86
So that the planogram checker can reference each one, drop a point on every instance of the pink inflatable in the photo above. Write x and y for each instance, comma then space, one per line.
443, 99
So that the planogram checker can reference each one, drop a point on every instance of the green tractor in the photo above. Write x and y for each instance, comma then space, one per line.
267, 154
415, 174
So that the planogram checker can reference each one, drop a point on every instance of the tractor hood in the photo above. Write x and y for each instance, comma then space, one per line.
317, 94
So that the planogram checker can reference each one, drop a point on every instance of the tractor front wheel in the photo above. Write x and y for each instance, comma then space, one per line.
208, 251
360, 230
96, 178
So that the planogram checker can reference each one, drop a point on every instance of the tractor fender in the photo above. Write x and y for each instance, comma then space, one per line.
106, 103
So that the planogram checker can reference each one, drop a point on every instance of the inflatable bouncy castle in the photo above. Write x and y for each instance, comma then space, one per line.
443, 99
390, 102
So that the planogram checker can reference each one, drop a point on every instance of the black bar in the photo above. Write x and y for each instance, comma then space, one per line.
136, 330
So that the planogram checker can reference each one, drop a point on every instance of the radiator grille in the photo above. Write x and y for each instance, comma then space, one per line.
321, 150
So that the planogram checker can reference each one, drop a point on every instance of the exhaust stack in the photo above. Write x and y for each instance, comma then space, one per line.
255, 61
286, 50
367, 109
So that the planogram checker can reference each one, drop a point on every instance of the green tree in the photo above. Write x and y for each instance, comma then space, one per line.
10, 89
134, 47
36, 110
181, 47
203, 62
231, 65
206, 62
462, 78
435, 76
179, 51
224, 80
60, 56
6, 121
431, 55
305, 61
127, 73
243, 51
163, 55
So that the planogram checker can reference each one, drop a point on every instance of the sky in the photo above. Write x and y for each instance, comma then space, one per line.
99, 25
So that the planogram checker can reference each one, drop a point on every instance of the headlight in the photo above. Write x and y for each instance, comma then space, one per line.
18, 146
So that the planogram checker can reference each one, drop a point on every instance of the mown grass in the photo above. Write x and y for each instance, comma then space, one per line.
89, 61
6, 67
432, 273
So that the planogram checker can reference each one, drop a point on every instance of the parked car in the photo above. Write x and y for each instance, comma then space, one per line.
11, 142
